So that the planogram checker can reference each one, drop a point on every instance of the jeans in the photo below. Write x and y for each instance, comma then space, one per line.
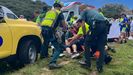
49, 36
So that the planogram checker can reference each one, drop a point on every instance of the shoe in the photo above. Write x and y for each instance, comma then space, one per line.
100, 70
113, 50
124, 41
108, 59
85, 65
130, 38
61, 55
54, 66
43, 57
75, 55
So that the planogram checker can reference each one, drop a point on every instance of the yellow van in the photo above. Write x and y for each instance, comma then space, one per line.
18, 38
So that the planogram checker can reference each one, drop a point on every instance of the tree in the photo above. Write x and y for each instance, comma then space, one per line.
113, 10
24, 7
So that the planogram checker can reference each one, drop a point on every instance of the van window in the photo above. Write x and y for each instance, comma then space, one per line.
11, 16
1, 13
1, 10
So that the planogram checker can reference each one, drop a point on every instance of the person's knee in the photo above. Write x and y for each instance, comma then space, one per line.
74, 46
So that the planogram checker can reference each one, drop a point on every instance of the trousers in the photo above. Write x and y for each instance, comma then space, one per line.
49, 36
98, 36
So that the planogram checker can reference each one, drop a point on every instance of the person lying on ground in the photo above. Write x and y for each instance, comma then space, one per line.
71, 49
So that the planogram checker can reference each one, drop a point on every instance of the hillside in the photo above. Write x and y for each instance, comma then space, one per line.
23, 7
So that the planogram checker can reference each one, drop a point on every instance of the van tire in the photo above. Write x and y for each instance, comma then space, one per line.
27, 52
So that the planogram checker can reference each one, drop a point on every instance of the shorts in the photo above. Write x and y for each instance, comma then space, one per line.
123, 29
79, 43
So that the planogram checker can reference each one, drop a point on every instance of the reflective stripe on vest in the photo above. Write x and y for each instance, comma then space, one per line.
50, 18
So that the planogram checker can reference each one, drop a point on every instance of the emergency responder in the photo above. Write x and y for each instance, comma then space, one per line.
97, 35
57, 1
82, 31
78, 39
70, 16
41, 16
35, 15
52, 20
73, 20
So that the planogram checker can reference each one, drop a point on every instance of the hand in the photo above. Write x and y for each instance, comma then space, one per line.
69, 39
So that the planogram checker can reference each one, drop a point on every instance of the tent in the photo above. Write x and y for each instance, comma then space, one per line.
72, 7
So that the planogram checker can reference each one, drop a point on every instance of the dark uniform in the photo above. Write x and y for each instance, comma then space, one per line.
51, 21
49, 34
97, 36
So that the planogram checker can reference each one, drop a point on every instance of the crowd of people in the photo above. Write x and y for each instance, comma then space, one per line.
85, 36
126, 28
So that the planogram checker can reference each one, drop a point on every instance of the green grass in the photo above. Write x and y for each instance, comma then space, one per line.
122, 64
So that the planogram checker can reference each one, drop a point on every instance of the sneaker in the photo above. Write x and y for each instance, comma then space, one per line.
61, 55
108, 59
100, 70
113, 50
124, 41
75, 55
130, 38
54, 66
43, 57
85, 65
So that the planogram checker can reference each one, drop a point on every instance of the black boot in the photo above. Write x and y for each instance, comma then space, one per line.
85, 65
108, 59
54, 66
100, 69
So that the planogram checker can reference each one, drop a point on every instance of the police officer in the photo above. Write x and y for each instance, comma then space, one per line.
52, 20
97, 35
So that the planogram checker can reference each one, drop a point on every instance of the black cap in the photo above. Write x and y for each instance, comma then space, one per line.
79, 21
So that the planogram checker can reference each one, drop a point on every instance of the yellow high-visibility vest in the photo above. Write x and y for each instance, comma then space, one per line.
101, 13
121, 19
72, 20
81, 30
50, 18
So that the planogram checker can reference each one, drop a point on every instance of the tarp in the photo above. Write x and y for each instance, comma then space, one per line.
72, 7
114, 30
69, 5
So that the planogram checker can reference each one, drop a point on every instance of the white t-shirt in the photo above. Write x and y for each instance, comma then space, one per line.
131, 24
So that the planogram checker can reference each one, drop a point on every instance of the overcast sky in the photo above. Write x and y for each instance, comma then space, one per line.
97, 3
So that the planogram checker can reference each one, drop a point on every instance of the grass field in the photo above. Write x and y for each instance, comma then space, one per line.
122, 64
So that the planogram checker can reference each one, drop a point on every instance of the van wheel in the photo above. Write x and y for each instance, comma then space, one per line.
27, 52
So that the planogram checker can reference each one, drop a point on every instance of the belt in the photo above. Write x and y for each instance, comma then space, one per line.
46, 25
